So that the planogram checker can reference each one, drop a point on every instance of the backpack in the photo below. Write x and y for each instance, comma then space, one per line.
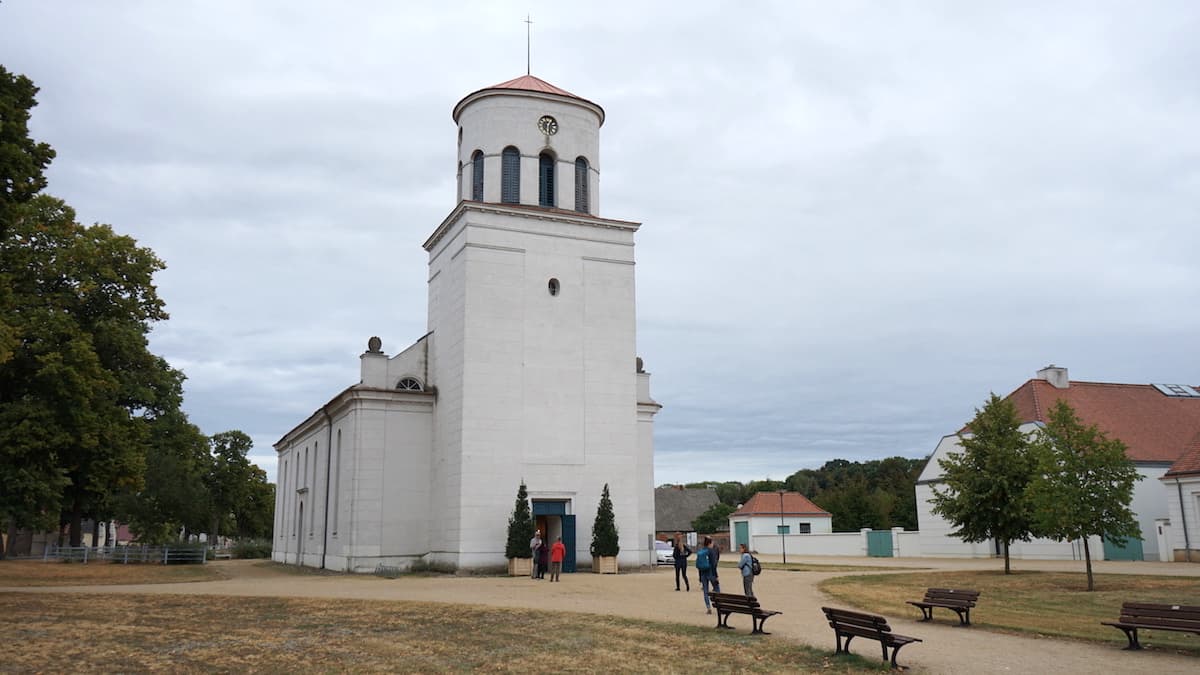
755, 566
703, 561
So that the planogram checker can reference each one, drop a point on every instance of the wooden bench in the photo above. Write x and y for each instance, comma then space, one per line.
959, 600
849, 624
732, 603
1150, 616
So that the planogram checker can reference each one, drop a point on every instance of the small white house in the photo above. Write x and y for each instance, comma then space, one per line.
776, 513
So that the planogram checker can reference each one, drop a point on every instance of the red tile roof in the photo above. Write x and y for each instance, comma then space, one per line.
767, 504
1155, 427
1189, 463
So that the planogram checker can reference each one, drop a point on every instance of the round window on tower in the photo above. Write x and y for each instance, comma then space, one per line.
553, 286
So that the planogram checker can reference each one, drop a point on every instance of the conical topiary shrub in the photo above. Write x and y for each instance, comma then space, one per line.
604, 531
520, 527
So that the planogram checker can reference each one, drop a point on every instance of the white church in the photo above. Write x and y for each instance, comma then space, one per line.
528, 371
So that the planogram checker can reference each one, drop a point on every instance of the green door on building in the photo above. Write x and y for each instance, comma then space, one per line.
1132, 550
879, 544
741, 534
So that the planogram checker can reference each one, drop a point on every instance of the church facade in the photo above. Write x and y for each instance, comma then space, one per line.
528, 371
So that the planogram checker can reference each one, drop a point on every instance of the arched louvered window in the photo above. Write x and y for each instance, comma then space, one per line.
582, 201
546, 179
477, 176
510, 176
409, 384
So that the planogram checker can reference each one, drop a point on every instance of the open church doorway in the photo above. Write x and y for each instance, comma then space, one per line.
551, 517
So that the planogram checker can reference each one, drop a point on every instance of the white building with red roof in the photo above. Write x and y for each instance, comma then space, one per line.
1159, 424
528, 371
769, 514
1181, 531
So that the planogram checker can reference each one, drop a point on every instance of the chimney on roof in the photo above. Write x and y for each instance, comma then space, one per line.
1055, 376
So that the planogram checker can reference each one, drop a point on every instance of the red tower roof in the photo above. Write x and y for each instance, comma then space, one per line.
528, 83
531, 83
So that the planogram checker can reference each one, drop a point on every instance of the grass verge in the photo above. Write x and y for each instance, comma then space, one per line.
23, 573
216, 633
1044, 603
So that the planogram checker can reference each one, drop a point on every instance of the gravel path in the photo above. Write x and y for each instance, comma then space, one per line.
651, 595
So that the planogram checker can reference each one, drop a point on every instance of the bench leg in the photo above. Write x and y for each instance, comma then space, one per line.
895, 651
1132, 636
842, 647
964, 616
758, 625
723, 620
927, 613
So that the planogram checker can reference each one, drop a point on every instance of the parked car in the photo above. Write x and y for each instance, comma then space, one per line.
664, 551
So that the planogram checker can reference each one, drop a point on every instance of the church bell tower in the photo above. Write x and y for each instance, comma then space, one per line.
532, 322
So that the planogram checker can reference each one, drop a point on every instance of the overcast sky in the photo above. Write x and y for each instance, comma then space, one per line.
859, 218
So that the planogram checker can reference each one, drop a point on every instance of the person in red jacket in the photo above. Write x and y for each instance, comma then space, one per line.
557, 553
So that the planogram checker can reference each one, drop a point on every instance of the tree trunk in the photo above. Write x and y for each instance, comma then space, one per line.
95, 534
10, 536
75, 523
110, 533
1087, 555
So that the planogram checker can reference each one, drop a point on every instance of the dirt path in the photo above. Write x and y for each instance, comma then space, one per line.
651, 595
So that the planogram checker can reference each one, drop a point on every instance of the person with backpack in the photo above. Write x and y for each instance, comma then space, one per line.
746, 565
704, 566
680, 553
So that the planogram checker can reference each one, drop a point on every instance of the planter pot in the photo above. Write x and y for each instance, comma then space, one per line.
520, 567
604, 564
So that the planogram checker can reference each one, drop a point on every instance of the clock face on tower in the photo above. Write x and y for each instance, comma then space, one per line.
548, 125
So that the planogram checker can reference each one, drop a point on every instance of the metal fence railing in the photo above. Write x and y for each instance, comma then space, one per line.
163, 555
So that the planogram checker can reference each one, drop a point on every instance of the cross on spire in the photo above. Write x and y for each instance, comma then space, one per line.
528, 40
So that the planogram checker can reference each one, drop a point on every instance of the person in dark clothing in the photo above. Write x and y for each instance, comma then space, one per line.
716, 558
543, 560
680, 553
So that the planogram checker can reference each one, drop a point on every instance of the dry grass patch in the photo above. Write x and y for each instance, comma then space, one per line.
21, 573
194, 633
1046, 603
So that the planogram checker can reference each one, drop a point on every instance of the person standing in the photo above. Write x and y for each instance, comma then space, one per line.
746, 565
680, 553
543, 560
716, 559
534, 545
704, 567
557, 552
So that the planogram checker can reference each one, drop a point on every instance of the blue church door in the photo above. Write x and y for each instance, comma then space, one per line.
553, 520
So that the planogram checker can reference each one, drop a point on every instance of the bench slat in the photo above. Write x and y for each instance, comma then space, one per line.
1159, 606
1191, 616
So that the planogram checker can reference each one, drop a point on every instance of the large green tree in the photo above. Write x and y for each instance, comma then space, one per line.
1084, 484
255, 517
82, 301
77, 382
174, 495
985, 485
230, 481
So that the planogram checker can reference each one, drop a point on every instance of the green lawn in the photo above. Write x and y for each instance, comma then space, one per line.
1044, 603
